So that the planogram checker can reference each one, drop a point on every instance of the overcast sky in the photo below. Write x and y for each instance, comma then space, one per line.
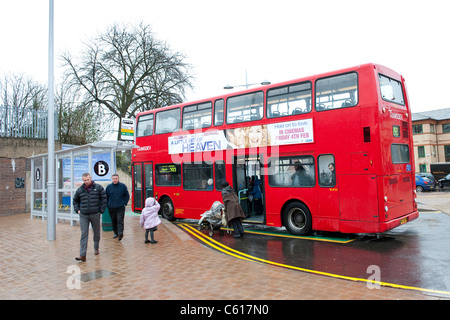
271, 40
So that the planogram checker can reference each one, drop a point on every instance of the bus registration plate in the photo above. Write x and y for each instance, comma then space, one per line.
404, 220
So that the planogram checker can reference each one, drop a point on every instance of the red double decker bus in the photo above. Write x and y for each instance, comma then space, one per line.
331, 152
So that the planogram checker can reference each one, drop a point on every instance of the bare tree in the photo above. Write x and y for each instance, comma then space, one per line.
127, 70
78, 123
20, 98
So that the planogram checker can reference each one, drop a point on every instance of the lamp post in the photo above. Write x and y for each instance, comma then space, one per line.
246, 85
51, 183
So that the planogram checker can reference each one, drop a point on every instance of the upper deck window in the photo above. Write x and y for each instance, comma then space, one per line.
167, 121
197, 116
337, 92
289, 100
218, 112
145, 125
391, 90
245, 108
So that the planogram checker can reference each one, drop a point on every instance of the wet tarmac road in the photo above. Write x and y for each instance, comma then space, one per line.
413, 256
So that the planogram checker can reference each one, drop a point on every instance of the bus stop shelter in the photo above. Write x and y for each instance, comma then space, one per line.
68, 177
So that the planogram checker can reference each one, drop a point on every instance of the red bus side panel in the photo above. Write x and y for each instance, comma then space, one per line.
358, 198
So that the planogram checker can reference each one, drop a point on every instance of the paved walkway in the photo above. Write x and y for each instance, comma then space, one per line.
177, 267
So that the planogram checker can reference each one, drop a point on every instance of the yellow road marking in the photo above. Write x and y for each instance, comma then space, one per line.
281, 235
227, 250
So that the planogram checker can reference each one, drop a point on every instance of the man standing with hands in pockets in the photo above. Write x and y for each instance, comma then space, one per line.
118, 196
89, 202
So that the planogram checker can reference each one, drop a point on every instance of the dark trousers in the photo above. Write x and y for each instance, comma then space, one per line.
258, 206
117, 217
151, 230
237, 226
94, 220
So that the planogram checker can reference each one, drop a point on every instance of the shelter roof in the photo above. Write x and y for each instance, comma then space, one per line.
95, 147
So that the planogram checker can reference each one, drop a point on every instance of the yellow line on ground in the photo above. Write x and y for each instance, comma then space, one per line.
275, 234
227, 250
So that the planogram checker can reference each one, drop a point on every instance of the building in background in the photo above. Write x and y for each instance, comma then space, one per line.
431, 135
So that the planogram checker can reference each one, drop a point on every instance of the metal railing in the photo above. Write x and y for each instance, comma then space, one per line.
23, 123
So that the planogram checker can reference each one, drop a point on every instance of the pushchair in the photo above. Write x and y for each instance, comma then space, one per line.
213, 219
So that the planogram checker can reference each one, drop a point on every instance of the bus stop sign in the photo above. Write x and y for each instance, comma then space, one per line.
101, 168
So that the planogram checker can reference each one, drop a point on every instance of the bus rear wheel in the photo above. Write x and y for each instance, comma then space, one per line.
297, 219
167, 210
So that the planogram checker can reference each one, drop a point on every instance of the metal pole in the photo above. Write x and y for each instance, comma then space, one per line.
51, 184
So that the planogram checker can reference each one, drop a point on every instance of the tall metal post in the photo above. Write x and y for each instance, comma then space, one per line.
51, 184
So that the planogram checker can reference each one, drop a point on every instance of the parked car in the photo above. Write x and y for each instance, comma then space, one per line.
444, 182
423, 184
429, 176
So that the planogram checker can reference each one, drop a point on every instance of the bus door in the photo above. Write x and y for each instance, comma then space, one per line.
328, 192
247, 172
143, 184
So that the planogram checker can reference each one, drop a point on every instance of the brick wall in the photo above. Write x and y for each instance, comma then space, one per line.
14, 164
12, 196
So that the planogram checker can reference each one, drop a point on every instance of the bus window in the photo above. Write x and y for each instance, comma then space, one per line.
197, 176
391, 90
337, 92
245, 108
286, 101
145, 125
218, 112
327, 170
292, 171
400, 153
220, 173
167, 121
168, 174
197, 116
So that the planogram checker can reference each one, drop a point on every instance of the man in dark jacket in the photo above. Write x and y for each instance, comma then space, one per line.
89, 202
233, 210
118, 196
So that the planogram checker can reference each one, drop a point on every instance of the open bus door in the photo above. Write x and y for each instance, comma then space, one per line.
142, 184
246, 169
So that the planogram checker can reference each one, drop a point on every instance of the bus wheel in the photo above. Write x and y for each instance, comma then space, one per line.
297, 219
167, 211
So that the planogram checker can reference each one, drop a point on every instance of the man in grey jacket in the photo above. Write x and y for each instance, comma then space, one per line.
89, 202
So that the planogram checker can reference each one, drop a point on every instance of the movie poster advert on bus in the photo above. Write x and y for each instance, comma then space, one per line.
197, 142
283, 133
291, 132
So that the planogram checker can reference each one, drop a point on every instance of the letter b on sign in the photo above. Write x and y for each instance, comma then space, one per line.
101, 168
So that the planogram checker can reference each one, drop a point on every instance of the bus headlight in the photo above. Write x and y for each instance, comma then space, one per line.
386, 208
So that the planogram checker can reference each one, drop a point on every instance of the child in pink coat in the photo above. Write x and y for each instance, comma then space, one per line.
149, 218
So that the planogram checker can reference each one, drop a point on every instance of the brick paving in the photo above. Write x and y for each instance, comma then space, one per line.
177, 267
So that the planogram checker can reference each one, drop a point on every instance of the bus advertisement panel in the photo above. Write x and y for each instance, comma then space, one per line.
289, 132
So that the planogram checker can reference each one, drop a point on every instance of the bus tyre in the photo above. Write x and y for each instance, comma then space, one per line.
297, 219
167, 210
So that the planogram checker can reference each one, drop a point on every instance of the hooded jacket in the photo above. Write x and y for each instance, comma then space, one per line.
149, 215
256, 191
